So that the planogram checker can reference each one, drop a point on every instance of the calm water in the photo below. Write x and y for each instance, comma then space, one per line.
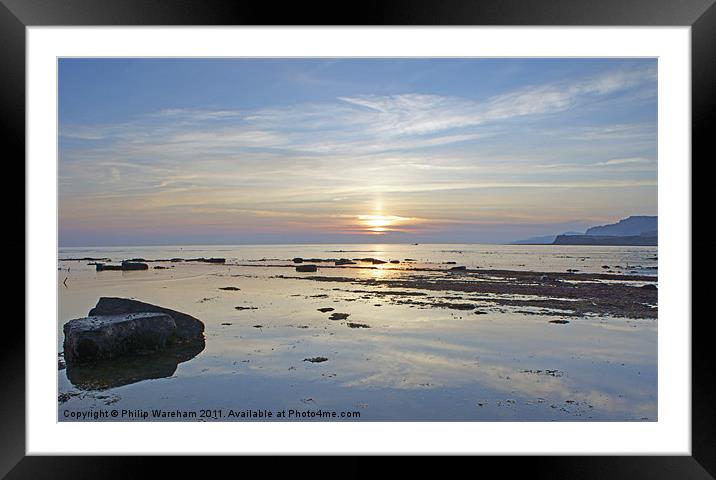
411, 364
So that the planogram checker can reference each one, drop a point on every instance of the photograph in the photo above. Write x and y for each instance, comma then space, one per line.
357, 239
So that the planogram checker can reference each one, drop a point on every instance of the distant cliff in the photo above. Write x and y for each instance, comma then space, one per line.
630, 226
624, 240
634, 230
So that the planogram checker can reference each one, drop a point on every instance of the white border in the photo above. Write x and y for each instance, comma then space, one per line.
670, 435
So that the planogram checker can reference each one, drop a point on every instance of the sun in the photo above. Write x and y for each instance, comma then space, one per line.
379, 224
377, 221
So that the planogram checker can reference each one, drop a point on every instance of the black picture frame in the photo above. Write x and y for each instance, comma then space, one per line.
700, 15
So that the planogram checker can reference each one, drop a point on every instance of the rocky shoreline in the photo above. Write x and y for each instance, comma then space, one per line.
562, 294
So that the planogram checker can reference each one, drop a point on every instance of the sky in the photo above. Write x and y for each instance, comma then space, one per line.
278, 151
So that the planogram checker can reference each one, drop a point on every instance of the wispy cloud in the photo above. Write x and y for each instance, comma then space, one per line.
625, 161
367, 122
333, 158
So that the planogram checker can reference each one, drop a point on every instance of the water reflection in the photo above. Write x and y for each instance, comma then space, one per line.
119, 372
416, 362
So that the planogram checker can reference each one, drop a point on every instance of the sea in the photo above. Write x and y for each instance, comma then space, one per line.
404, 362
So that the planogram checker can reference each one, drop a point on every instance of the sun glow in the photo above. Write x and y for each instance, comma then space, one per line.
380, 224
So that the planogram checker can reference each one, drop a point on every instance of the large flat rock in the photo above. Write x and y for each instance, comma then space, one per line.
111, 336
122, 327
